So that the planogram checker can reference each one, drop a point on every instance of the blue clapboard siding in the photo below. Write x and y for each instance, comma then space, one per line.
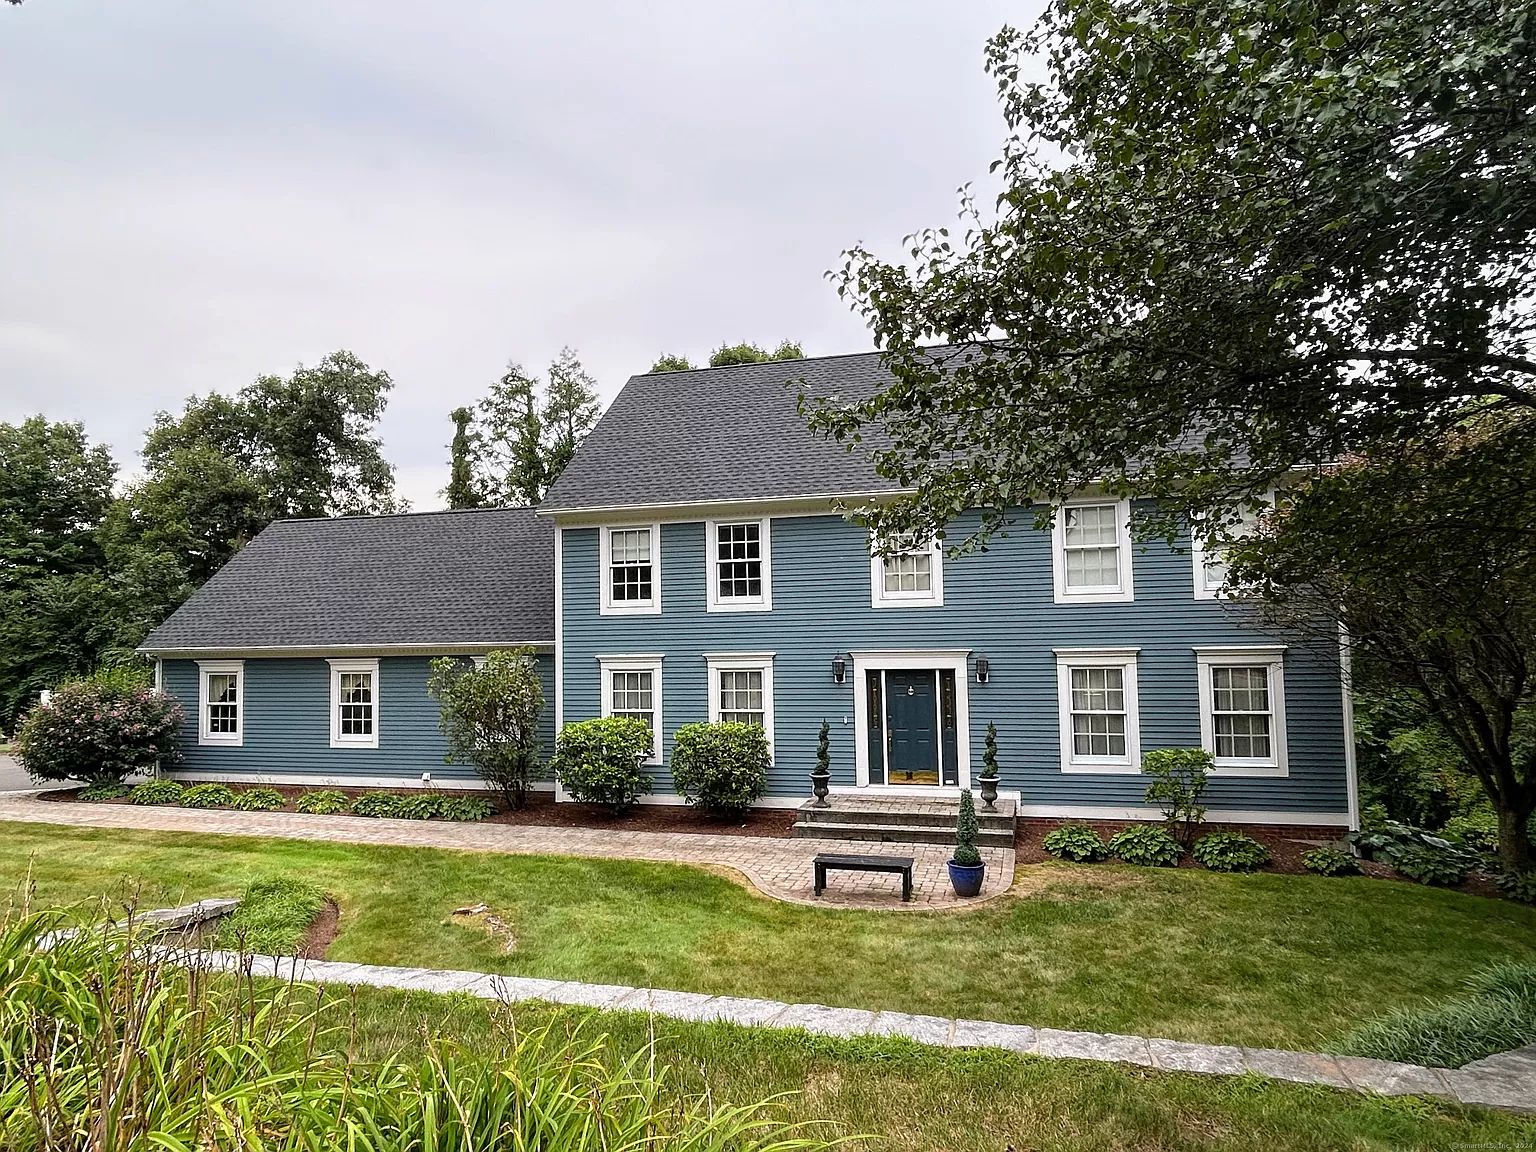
287, 723
999, 603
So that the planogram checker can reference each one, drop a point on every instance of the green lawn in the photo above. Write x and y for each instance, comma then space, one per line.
1262, 960
910, 1097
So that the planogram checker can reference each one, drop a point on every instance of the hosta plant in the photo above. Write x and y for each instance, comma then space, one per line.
1330, 862
1432, 866
207, 796
421, 806
465, 809
1146, 844
1230, 852
1520, 886
1075, 842
325, 802
259, 800
377, 804
156, 792
106, 790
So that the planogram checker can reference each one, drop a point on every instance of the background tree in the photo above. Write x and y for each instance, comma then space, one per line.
54, 491
728, 354
667, 362
528, 429
1427, 555
462, 491
1233, 236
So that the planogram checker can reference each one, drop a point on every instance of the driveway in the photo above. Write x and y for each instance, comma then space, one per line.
11, 775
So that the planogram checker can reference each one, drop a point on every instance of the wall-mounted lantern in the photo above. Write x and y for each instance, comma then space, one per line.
983, 669
839, 669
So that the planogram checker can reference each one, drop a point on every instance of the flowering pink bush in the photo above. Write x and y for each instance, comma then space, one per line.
96, 732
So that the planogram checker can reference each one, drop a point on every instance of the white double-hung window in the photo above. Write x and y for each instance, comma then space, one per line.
1091, 552
1099, 712
909, 575
741, 689
221, 702
1210, 556
631, 687
354, 703
1242, 709
739, 572
631, 570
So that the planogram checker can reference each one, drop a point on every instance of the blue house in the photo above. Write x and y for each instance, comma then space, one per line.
693, 563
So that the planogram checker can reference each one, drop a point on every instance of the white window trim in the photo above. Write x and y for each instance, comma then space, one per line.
1201, 550
205, 668
337, 668
717, 603
719, 662
933, 598
607, 665
1126, 589
1125, 659
1272, 656
606, 604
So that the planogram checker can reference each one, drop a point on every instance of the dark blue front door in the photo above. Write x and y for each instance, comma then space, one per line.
912, 727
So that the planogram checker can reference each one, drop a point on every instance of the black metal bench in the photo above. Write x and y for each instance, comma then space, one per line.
841, 862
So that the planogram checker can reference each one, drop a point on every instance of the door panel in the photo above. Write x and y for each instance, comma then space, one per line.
912, 728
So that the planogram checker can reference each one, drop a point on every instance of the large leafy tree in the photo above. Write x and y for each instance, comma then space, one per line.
1427, 555
1235, 235
302, 445
54, 490
462, 491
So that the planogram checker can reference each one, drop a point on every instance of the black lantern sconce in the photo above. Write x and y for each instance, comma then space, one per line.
983, 669
839, 669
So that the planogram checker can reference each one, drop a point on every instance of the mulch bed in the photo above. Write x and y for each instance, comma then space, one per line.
542, 809
322, 930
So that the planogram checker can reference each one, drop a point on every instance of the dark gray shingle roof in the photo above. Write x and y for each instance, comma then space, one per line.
721, 434
450, 578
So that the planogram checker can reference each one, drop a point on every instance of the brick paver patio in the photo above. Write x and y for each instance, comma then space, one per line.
780, 868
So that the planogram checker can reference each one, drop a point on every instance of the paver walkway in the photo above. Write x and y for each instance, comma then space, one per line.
778, 867
1506, 1081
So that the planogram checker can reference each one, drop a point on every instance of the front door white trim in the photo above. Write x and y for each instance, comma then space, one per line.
922, 659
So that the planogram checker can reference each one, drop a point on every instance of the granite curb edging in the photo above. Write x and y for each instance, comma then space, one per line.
1506, 1081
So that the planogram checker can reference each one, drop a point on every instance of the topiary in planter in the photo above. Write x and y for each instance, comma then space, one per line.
599, 761
207, 796
1330, 862
1230, 852
1147, 845
721, 768
966, 853
1075, 842
376, 804
157, 792
258, 800
326, 802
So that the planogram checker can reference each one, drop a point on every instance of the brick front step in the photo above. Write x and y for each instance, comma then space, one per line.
841, 814
898, 833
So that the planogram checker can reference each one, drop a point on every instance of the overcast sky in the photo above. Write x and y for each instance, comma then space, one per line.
194, 193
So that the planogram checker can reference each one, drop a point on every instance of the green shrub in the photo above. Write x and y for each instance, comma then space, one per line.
1432, 866
107, 790
97, 731
1075, 842
259, 800
273, 918
1330, 862
156, 792
207, 796
721, 767
419, 806
466, 809
1146, 844
1520, 886
490, 716
381, 805
325, 802
1180, 777
965, 853
1477, 830
1230, 852
1495, 1013
598, 761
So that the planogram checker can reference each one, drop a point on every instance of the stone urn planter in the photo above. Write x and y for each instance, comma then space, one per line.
821, 778
989, 776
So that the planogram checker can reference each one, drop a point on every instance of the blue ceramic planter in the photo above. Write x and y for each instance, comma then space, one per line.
967, 878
